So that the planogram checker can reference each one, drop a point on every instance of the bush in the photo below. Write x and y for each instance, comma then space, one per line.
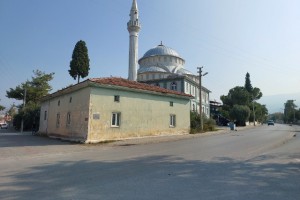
208, 123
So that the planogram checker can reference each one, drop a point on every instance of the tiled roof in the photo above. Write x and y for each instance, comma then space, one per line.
135, 85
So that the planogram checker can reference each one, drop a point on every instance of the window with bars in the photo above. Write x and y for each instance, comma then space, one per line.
172, 120
115, 119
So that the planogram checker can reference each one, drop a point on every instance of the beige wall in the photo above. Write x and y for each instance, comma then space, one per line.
91, 115
141, 115
79, 114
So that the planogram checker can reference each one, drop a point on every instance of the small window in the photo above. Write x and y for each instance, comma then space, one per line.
70, 100
193, 107
115, 119
68, 118
45, 115
117, 98
173, 86
172, 120
57, 120
171, 103
58, 103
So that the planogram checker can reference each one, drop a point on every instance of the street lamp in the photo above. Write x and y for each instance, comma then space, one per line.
200, 94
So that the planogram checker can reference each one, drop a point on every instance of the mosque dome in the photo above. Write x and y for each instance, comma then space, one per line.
161, 50
161, 62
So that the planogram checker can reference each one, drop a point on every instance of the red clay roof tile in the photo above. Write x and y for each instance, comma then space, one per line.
135, 85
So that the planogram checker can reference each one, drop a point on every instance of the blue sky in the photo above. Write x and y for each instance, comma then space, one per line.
228, 37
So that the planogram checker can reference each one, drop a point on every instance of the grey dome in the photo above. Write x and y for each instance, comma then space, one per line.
161, 50
151, 69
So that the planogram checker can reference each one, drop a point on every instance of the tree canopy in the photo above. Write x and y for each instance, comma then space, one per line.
34, 89
290, 112
248, 85
1, 107
239, 104
79, 65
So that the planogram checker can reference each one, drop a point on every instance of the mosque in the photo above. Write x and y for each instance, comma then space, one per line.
162, 66
102, 109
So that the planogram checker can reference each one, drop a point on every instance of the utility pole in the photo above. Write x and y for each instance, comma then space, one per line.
253, 110
200, 95
24, 103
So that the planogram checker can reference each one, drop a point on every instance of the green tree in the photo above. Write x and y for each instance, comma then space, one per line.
30, 91
1, 107
237, 98
240, 114
79, 65
208, 123
248, 85
237, 95
261, 112
290, 111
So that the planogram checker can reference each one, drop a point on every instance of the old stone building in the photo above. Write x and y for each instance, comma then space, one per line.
113, 108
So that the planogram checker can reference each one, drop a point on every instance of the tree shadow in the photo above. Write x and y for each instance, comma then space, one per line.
156, 177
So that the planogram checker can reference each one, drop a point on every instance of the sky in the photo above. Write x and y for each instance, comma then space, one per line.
228, 37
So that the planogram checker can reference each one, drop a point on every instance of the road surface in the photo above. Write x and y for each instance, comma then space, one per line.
260, 163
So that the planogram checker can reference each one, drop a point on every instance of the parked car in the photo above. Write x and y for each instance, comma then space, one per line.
270, 122
4, 126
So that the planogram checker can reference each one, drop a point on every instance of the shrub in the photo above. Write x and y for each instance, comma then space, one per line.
208, 123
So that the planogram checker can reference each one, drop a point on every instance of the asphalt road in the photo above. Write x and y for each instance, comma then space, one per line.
260, 163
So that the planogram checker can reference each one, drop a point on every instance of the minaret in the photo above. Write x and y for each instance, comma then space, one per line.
133, 27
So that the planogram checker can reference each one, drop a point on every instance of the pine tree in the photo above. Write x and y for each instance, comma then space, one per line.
248, 85
79, 65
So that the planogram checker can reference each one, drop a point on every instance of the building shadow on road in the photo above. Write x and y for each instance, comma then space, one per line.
156, 177
29, 140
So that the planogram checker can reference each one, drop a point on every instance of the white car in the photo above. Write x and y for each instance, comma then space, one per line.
4, 126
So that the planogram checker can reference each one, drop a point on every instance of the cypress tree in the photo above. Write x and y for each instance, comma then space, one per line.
79, 65
248, 85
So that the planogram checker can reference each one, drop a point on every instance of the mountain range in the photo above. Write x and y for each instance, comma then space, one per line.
275, 103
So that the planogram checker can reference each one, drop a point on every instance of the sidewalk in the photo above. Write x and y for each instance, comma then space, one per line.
170, 138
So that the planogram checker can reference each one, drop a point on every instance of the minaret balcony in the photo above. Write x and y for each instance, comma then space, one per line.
133, 23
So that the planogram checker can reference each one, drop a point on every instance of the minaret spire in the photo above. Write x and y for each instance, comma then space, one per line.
133, 27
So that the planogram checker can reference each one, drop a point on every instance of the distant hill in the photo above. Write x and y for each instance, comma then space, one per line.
275, 103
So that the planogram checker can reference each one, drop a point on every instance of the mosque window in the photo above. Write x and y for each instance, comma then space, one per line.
171, 103
58, 103
173, 86
187, 87
153, 76
165, 59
